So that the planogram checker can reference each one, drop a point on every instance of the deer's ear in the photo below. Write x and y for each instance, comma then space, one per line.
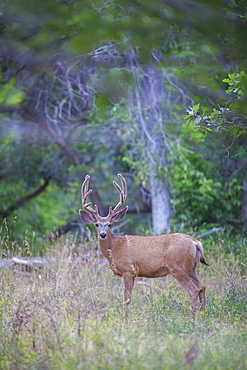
86, 217
119, 215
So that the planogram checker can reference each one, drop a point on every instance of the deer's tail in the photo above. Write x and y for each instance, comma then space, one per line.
199, 249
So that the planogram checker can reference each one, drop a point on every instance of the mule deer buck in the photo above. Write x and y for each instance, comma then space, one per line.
131, 256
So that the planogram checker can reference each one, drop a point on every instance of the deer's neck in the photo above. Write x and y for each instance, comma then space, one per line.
109, 242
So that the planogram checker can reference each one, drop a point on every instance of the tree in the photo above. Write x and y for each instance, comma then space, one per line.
152, 104
229, 120
64, 64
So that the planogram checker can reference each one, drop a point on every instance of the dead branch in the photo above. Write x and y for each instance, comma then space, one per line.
213, 230
61, 231
20, 202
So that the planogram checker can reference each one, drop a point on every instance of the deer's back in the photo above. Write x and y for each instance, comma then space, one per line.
154, 256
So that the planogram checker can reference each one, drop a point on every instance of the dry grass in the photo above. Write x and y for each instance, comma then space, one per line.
70, 315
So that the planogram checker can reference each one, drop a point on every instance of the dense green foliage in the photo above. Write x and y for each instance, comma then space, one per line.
70, 74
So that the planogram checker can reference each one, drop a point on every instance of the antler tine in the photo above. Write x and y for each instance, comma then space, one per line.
122, 193
85, 192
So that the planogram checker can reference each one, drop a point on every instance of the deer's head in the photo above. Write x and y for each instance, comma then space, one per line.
103, 224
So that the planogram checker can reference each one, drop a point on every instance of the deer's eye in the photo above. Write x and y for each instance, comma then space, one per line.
109, 225
97, 225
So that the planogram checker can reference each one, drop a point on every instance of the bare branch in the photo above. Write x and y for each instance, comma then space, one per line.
62, 230
20, 203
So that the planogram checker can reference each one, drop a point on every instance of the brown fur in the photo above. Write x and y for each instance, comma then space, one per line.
156, 256
131, 256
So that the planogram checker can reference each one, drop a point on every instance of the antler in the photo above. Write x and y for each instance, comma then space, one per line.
85, 192
122, 194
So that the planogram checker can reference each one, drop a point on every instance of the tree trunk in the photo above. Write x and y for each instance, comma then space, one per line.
244, 206
147, 104
154, 92
161, 207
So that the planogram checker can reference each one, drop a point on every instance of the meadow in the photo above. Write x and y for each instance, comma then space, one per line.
70, 314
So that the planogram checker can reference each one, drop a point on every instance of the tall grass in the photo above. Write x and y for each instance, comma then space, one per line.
70, 315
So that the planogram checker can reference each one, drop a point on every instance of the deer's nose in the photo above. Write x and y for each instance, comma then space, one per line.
102, 235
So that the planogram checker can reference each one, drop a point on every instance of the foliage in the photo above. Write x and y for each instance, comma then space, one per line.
206, 194
230, 115
10, 95
69, 71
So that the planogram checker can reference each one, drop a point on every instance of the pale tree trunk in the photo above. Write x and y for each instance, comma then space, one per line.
154, 92
161, 207
148, 108
244, 205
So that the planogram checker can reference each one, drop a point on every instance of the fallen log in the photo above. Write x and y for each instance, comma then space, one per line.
32, 264
213, 230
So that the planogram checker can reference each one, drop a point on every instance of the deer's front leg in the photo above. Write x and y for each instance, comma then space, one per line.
128, 280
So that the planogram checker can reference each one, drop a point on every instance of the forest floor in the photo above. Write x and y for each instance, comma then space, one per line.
70, 315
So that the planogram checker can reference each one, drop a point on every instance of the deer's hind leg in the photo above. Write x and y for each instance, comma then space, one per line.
190, 283
202, 289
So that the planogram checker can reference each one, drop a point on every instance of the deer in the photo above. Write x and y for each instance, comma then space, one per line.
132, 256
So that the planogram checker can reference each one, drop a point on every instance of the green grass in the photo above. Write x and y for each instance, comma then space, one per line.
71, 315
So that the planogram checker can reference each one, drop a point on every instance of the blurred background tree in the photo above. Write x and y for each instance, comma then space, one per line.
100, 88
